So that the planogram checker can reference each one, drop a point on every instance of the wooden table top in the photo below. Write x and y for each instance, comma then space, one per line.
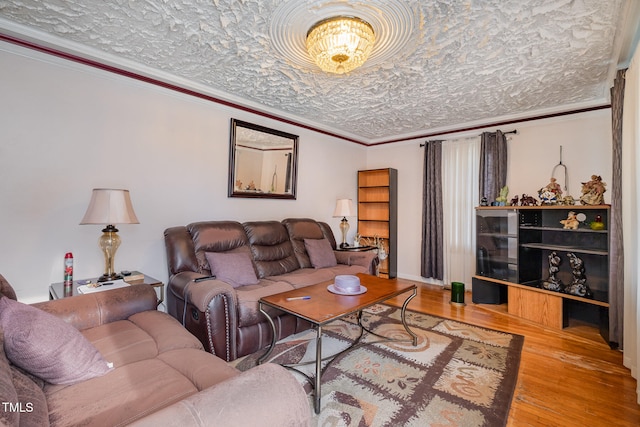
324, 307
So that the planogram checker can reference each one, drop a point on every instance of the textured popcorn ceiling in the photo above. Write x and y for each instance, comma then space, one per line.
454, 62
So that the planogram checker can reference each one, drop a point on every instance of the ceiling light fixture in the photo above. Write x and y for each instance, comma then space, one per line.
340, 44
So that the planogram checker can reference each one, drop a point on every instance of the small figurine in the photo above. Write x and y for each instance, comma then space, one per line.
528, 201
484, 202
568, 200
578, 286
502, 198
554, 187
593, 191
571, 223
553, 283
550, 194
597, 224
514, 201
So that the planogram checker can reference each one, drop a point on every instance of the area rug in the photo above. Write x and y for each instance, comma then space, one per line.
457, 375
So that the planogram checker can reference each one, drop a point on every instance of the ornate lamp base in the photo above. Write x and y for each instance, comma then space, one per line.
344, 227
109, 243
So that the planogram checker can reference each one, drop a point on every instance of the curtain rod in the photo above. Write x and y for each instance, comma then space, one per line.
515, 132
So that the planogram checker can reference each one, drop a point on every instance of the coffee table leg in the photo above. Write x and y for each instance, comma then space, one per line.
318, 394
404, 321
273, 336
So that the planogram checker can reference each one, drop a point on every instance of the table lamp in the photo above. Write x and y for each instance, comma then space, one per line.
344, 208
109, 206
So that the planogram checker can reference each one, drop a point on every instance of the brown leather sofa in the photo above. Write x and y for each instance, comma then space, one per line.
161, 374
226, 318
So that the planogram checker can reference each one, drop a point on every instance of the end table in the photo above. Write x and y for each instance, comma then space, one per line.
56, 290
356, 248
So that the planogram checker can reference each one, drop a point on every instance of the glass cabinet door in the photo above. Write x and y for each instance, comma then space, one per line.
497, 244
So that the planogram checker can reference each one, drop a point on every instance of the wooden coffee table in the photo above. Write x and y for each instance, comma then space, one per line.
324, 307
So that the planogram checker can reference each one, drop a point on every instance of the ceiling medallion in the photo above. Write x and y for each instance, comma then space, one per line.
395, 24
340, 44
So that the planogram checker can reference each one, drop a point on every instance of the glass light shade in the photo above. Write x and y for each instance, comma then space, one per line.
340, 44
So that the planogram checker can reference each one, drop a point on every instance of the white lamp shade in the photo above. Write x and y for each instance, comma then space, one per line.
344, 207
110, 206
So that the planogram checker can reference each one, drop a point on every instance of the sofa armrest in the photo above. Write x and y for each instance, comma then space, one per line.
91, 310
267, 395
210, 313
199, 289
366, 259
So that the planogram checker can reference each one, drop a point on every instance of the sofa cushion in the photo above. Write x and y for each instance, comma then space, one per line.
6, 289
201, 368
300, 229
305, 277
271, 248
7, 389
320, 253
234, 268
349, 270
122, 342
120, 397
215, 236
30, 394
143, 336
167, 332
46, 346
248, 296
328, 233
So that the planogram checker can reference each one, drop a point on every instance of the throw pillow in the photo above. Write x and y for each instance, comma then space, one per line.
320, 253
234, 268
46, 346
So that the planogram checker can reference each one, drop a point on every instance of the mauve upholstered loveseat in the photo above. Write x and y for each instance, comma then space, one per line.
249, 260
159, 374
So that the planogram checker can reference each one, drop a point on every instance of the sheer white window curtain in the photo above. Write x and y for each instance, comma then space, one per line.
460, 175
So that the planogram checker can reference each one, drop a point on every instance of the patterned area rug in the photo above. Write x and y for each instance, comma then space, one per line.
457, 375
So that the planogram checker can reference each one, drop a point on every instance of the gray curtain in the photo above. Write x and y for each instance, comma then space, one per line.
493, 164
431, 264
616, 256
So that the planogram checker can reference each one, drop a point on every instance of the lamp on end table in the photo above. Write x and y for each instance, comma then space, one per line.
344, 208
109, 206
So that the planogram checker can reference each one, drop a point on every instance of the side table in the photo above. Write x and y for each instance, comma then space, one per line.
56, 290
356, 248
362, 249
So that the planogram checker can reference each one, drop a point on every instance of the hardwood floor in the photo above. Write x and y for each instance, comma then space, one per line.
566, 378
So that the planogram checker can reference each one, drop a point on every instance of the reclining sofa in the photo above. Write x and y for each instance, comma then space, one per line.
111, 359
218, 270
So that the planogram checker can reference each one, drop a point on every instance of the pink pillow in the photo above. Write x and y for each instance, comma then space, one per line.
46, 346
320, 253
234, 268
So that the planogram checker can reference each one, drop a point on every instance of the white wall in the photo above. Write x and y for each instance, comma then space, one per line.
533, 153
68, 128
